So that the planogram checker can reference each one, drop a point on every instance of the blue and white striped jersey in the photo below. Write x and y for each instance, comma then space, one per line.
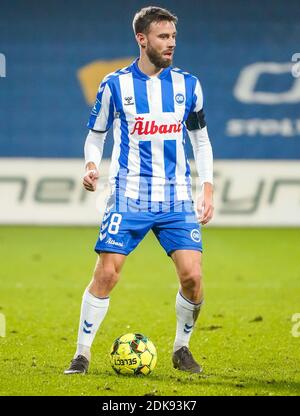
148, 116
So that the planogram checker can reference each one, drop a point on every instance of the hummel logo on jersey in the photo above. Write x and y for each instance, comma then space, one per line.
128, 101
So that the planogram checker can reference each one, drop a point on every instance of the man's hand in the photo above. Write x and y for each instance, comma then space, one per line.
205, 207
91, 177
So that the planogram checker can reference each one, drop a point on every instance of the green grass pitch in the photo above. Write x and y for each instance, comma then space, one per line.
243, 336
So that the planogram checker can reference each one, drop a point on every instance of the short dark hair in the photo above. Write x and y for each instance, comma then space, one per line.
143, 18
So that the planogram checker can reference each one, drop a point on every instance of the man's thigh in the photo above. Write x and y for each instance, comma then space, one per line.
187, 262
110, 261
178, 231
120, 232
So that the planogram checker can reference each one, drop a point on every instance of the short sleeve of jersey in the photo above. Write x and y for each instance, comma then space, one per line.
102, 114
197, 98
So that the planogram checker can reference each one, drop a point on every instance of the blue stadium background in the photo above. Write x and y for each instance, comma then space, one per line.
43, 112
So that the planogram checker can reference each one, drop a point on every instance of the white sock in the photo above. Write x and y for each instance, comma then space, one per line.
186, 313
93, 311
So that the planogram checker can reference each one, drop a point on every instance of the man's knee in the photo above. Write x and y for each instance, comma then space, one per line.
191, 278
106, 275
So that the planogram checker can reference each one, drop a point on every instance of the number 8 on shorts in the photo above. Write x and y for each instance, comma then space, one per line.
114, 224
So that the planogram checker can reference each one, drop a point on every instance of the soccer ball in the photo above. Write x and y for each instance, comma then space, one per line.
133, 354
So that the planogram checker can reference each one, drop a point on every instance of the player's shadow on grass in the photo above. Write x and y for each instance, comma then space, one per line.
201, 380
284, 385
240, 383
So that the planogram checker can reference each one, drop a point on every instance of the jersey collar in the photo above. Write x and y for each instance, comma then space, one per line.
140, 74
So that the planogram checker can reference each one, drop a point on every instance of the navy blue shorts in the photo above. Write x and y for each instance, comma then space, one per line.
176, 228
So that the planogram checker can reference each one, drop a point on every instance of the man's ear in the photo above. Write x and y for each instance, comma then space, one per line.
141, 39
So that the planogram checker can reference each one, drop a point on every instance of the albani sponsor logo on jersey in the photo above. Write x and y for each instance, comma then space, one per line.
150, 127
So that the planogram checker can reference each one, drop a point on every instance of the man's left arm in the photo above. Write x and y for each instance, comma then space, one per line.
204, 164
203, 155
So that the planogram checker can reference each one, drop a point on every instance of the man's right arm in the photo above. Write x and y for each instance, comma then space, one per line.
93, 151
100, 121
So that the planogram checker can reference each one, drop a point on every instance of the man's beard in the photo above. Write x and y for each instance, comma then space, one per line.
156, 59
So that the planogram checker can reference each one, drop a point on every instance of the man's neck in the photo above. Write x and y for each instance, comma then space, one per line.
147, 67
